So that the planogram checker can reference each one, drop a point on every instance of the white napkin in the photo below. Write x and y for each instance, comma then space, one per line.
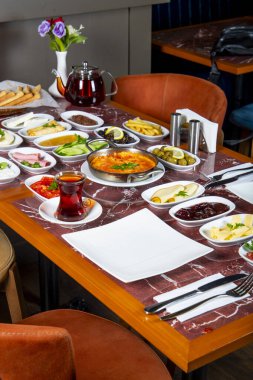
209, 129
234, 173
210, 305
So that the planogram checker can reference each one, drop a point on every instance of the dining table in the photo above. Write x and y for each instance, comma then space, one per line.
190, 345
193, 43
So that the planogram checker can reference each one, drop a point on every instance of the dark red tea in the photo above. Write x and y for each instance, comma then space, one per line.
71, 206
85, 92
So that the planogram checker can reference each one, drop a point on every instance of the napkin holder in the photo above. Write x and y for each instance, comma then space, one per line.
208, 133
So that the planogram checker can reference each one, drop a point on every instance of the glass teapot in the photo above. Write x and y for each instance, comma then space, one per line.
85, 85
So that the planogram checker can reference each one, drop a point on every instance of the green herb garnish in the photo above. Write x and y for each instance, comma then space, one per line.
35, 165
128, 165
3, 165
248, 246
181, 193
234, 226
2, 133
53, 186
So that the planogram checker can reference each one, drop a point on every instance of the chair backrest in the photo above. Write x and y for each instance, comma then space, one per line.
35, 352
158, 95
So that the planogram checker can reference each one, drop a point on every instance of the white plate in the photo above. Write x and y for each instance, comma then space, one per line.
48, 208
38, 140
147, 194
14, 168
243, 190
174, 166
243, 252
44, 116
29, 181
85, 169
23, 132
136, 138
43, 155
165, 133
137, 246
220, 223
17, 141
193, 202
68, 114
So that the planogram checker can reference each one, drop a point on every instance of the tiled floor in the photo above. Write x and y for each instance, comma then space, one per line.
236, 366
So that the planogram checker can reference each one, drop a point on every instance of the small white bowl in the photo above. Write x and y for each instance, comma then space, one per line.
68, 114
23, 132
243, 253
193, 202
176, 167
219, 223
8, 176
31, 180
43, 155
17, 141
37, 141
27, 123
135, 142
147, 194
165, 133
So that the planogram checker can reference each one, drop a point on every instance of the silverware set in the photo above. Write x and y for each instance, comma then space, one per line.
242, 289
217, 179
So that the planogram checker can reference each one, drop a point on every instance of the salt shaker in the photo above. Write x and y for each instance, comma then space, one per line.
175, 126
194, 135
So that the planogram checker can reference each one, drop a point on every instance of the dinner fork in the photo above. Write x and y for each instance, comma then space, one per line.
219, 176
239, 291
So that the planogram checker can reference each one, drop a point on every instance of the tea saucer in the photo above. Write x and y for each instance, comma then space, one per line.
48, 208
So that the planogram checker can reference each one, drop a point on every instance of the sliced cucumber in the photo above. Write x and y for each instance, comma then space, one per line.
74, 151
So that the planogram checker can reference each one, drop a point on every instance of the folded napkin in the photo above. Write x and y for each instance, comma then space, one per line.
137, 246
234, 173
210, 305
209, 129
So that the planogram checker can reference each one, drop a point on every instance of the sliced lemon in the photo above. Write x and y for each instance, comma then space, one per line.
177, 153
118, 134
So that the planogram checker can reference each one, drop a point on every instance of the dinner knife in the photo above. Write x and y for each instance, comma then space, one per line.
160, 306
226, 180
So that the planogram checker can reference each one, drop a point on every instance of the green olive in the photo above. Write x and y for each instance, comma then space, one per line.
156, 151
191, 160
172, 160
182, 162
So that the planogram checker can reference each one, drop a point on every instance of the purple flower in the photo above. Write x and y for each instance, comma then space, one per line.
59, 29
44, 28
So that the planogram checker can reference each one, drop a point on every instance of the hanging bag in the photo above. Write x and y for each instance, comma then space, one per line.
234, 40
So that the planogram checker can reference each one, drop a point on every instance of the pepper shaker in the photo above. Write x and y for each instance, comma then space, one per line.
175, 126
194, 135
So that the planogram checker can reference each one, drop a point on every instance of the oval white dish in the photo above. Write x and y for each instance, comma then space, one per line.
38, 140
9, 174
243, 253
23, 132
11, 122
221, 223
147, 194
165, 133
68, 114
193, 202
29, 181
174, 166
135, 142
16, 142
42, 155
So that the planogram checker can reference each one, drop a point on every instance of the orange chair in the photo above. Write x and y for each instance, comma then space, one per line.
158, 95
71, 344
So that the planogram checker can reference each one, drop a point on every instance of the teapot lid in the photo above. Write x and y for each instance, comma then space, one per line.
84, 69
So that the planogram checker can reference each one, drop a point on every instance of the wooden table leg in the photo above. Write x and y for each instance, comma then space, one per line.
49, 286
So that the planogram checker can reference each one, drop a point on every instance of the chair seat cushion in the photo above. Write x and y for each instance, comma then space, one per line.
243, 117
103, 349
6, 255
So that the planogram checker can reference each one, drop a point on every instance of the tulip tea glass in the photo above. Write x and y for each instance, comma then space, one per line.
71, 207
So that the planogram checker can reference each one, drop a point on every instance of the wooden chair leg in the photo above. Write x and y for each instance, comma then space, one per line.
14, 295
